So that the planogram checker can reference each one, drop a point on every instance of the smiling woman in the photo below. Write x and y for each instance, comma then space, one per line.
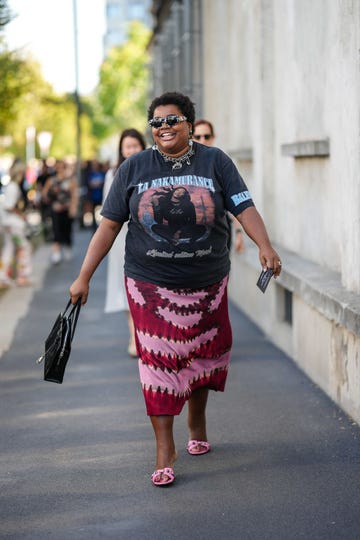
177, 264
173, 142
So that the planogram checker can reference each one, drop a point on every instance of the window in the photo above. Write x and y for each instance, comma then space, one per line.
288, 298
284, 305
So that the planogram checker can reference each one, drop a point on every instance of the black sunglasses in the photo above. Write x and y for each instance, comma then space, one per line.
207, 137
170, 120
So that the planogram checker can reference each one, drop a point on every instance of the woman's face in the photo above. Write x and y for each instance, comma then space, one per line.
130, 146
172, 140
202, 134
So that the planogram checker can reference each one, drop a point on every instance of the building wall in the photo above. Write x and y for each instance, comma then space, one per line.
281, 84
288, 72
280, 80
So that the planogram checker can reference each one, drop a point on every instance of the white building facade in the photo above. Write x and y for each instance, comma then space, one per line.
280, 81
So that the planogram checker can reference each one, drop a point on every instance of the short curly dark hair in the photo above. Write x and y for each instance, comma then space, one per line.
183, 102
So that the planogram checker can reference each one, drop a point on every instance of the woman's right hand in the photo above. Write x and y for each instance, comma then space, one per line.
79, 289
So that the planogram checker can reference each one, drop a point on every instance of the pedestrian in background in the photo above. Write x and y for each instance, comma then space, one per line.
95, 185
131, 142
61, 193
176, 277
16, 267
45, 209
204, 133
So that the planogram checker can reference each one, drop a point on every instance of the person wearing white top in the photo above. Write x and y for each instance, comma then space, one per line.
131, 142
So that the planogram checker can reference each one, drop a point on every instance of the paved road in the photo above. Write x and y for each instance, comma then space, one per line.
76, 458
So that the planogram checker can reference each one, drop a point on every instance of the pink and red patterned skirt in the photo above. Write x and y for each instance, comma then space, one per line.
183, 339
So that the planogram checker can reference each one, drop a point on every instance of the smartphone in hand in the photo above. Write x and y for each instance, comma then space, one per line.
264, 279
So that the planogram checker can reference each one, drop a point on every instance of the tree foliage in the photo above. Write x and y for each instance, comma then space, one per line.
121, 96
15, 82
16, 75
119, 101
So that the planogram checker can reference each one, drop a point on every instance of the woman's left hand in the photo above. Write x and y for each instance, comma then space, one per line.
269, 258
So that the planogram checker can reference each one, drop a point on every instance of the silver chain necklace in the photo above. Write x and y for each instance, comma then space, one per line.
177, 162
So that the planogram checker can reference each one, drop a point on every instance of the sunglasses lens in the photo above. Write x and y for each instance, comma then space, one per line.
207, 137
172, 119
155, 122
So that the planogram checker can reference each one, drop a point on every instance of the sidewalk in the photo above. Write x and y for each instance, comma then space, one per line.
76, 459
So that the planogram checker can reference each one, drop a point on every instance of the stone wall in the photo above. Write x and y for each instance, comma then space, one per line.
281, 83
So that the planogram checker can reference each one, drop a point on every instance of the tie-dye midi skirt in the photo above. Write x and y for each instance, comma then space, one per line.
183, 339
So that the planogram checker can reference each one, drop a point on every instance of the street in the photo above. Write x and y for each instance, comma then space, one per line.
76, 458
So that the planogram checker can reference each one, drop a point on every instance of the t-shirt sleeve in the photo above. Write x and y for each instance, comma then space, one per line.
237, 195
116, 204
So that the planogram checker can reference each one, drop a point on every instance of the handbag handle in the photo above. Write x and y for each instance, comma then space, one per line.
73, 315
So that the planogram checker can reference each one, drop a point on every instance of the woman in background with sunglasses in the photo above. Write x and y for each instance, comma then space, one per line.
204, 132
177, 264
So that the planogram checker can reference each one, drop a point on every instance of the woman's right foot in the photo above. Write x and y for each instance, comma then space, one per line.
163, 476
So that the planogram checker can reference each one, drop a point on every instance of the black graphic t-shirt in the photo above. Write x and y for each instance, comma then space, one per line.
178, 231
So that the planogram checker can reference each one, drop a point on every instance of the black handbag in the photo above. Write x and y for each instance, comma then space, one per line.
58, 343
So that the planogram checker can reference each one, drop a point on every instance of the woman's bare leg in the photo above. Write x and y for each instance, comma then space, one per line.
165, 445
197, 415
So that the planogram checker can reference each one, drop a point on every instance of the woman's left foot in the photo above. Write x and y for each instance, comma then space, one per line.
197, 448
163, 477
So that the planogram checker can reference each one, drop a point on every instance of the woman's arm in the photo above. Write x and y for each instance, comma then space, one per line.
99, 246
254, 227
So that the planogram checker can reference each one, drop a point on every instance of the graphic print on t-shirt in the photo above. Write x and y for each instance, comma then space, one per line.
177, 210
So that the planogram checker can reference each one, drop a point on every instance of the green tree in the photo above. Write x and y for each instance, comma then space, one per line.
121, 95
15, 76
15, 81
26, 99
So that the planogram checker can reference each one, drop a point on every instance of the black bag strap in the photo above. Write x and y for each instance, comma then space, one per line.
73, 315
